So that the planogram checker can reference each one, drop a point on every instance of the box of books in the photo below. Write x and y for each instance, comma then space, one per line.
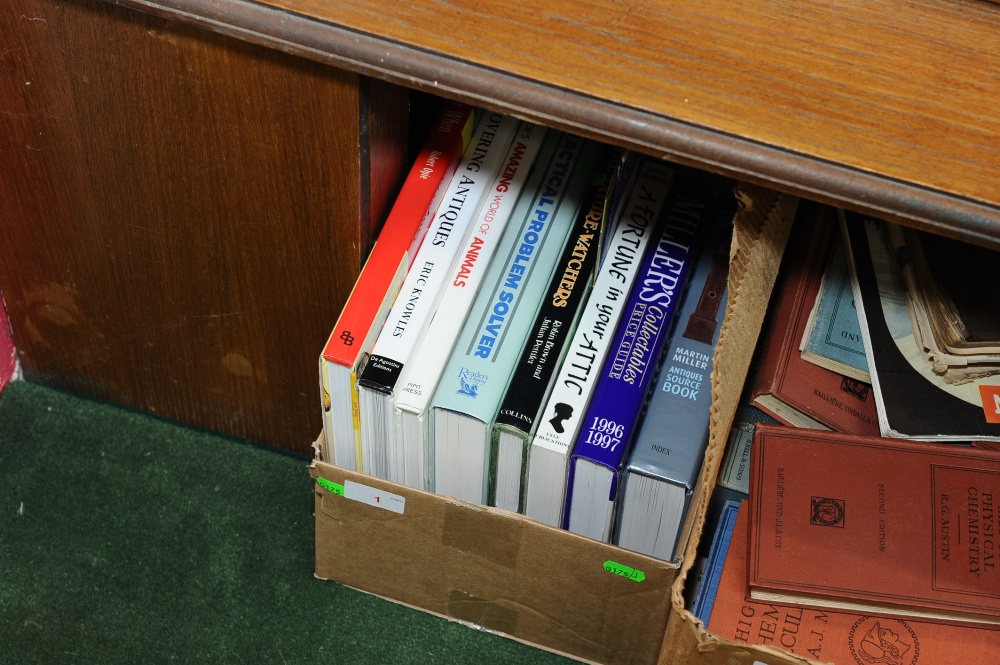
461, 537
828, 541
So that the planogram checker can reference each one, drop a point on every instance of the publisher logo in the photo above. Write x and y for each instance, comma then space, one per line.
347, 338
469, 382
827, 512
855, 388
883, 641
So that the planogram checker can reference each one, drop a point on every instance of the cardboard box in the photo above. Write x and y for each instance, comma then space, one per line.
508, 574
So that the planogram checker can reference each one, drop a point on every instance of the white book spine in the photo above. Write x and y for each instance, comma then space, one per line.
421, 375
421, 291
560, 422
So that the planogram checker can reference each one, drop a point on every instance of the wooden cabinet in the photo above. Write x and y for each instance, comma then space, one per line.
183, 214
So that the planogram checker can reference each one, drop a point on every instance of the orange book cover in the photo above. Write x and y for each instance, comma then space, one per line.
842, 638
793, 390
874, 525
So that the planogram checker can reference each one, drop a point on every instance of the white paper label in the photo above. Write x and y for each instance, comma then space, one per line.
374, 497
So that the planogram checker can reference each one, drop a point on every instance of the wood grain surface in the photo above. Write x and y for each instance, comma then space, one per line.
182, 215
888, 108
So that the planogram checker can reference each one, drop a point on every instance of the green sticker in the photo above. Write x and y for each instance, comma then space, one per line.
331, 486
624, 571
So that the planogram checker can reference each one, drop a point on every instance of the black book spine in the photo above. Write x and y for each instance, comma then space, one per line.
554, 322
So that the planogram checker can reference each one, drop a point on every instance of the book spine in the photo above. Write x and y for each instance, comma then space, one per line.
555, 320
559, 423
560, 308
400, 234
422, 374
623, 388
420, 293
470, 269
477, 368
670, 443
353, 334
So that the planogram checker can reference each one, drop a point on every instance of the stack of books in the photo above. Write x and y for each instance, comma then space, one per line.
854, 517
856, 548
509, 346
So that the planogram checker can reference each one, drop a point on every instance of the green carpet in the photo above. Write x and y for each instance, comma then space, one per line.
127, 539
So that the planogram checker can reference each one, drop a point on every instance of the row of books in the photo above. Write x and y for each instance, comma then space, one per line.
503, 344
854, 516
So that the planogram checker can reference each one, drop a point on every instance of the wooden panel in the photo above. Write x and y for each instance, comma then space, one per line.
182, 215
886, 107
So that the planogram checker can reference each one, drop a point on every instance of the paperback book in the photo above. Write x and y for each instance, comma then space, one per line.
834, 636
420, 293
543, 347
422, 373
380, 280
619, 399
914, 400
468, 395
666, 457
832, 338
875, 526
557, 427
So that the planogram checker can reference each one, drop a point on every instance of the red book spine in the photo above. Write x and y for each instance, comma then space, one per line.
401, 234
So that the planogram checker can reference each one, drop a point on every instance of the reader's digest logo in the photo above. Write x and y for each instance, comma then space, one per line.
470, 382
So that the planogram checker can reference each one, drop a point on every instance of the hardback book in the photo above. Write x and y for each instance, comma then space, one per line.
630, 370
785, 386
420, 293
913, 400
543, 347
468, 395
381, 278
557, 427
734, 472
832, 338
714, 563
835, 636
875, 526
421, 374
667, 454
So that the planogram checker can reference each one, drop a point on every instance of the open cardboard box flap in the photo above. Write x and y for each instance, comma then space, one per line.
509, 574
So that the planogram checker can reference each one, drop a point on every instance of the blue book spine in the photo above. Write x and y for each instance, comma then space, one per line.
634, 357
705, 599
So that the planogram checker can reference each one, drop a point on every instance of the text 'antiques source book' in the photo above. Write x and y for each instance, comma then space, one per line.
920, 393
479, 369
876, 526
619, 400
418, 298
786, 386
381, 278
835, 636
666, 457
421, 375
559, 422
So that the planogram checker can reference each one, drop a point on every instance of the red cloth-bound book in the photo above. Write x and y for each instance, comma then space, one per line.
875, 526
844, 638
792, 390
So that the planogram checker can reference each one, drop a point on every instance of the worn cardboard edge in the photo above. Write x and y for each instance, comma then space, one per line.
468, 624
516, 613
761, 230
